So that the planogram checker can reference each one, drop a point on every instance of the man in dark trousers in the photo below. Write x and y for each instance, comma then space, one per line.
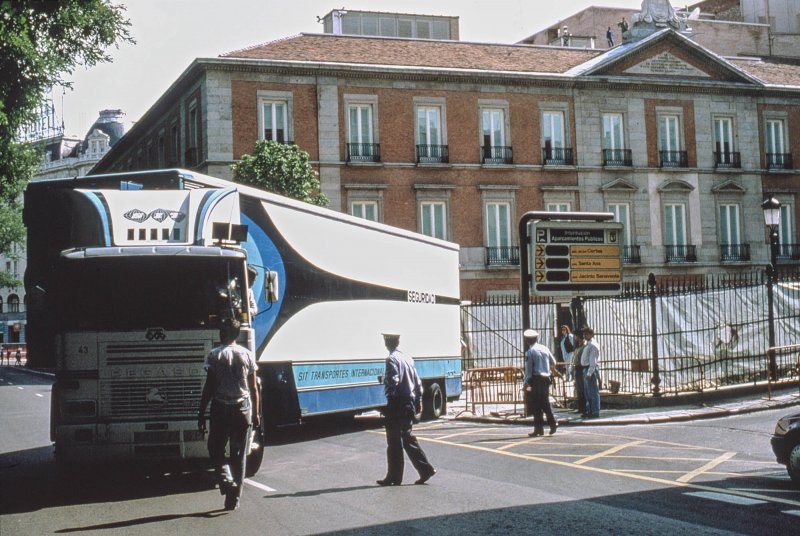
231, 387
539, 365
403, 390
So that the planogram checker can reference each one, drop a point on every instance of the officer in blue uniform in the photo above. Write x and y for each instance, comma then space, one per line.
403, 390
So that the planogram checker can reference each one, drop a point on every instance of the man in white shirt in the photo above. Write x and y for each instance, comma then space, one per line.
591, 384
232, 389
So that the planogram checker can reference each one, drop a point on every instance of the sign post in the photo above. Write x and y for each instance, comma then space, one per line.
576, 258
568, 254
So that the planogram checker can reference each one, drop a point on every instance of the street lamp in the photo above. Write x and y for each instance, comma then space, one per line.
772, 218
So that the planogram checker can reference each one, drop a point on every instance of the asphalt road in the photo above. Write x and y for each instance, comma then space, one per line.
705, 477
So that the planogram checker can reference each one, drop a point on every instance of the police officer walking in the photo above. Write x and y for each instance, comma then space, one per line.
231, 387
539, 365
403, 390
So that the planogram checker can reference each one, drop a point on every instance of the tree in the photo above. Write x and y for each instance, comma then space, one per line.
40, 44
280, 168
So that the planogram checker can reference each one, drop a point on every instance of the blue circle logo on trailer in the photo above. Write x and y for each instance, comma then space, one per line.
264, 257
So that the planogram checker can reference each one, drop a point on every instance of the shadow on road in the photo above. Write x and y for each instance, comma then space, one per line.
22, 376
671, 510
326, 426
30, 481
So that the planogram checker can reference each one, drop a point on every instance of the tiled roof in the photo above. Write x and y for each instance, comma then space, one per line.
418, 53
782, 74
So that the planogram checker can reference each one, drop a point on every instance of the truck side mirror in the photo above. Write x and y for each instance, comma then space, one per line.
271, 286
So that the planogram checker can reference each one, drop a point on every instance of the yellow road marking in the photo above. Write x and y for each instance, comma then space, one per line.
605, 453
448, 436
669, 458
710, 465
527, 441
651, 442
599, 470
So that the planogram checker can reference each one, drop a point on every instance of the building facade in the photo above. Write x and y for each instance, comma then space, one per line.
458, 140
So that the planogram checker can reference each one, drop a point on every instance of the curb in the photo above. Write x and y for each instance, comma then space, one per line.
644, 418
34, 372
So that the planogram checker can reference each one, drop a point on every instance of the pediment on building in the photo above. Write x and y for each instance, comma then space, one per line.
675, 186
728, 187
665, 55
619, 185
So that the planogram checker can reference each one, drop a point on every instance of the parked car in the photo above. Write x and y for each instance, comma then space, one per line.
786, 445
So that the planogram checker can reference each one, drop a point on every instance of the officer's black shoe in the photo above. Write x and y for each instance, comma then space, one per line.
226, 486
536, 433
231, 501
424, 478
387, 482
553, 429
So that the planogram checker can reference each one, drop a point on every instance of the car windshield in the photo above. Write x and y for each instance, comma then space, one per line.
127, 293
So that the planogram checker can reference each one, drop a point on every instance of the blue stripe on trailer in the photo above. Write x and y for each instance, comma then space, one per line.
102, 211
332, 387
343, 399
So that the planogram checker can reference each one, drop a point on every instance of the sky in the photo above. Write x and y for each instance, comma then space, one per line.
170, 34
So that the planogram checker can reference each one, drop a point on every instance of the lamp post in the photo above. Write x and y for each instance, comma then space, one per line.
772, 217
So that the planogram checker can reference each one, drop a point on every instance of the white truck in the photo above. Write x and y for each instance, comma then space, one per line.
130, 274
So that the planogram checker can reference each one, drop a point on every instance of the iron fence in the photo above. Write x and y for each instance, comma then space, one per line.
660, 336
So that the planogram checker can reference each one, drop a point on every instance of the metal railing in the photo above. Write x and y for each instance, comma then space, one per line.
631, 254
680, 253
502, 256
496, 154
673, 159
363, 152
617, 157
660, 336
734, 252
493, 385
727, 160
433, 154
779, 161
557, 156
789, 251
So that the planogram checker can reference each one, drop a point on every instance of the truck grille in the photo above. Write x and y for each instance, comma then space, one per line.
152, 353
154, 397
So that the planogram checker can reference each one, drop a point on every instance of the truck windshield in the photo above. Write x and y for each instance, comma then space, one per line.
127, 293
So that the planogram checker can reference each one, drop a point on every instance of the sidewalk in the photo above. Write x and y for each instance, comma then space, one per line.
785, 397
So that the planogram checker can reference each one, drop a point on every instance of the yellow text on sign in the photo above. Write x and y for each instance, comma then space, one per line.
585, 276
589, 262
594, 251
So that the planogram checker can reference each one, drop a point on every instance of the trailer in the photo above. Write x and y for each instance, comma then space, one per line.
129, 276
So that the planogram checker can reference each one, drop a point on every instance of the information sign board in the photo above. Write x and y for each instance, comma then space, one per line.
575, 258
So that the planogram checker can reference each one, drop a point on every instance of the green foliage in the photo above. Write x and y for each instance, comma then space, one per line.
283, 169
41, 43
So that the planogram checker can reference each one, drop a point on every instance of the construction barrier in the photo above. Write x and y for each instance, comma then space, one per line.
494, 385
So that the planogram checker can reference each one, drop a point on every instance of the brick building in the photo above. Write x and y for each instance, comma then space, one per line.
458, 140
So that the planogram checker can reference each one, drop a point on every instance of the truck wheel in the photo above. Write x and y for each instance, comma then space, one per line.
435, 403
793, 466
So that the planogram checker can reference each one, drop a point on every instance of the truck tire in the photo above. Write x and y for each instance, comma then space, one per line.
793, 465
435, 403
